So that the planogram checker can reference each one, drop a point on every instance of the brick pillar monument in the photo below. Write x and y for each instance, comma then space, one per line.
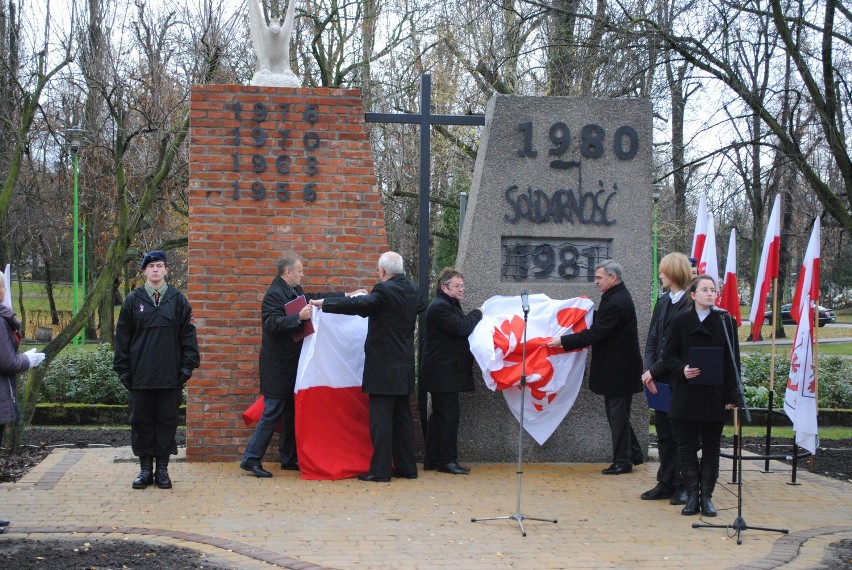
271, 169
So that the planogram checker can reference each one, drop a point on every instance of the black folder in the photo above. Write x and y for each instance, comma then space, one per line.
659, 401
708, 359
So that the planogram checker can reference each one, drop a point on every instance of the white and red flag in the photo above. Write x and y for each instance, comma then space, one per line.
800, 399
808, 283
700, 235
730, 298
332, 413
554, 376
768, 269
708, 263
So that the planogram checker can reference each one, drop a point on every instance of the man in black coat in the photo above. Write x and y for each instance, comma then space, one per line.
156, 351
279, 362
446, 369
392, 308
616, 368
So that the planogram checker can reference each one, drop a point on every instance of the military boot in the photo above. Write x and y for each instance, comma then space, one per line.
161, 475
146, 473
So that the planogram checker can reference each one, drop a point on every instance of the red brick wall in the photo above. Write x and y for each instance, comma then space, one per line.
234, 243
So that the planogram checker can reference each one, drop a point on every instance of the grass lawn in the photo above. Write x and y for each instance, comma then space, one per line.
825, 433
838, 348
35, 296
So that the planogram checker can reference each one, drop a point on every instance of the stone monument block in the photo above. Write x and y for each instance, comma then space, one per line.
561, 184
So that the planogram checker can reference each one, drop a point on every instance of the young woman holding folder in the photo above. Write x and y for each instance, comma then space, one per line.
675, 276
703, 354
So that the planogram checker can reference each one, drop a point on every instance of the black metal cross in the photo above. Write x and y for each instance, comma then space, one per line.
425, 119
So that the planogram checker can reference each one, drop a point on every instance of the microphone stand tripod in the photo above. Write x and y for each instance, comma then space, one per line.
739, 524
517, 515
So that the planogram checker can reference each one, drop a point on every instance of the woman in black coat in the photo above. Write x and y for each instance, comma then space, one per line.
700, 397
675, 275
446, 369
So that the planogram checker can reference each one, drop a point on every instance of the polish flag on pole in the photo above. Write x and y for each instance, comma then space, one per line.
768, 269
7, 280
332, 413
800, 398
554, 376
700, 235
808, 277
730, 298
708, 263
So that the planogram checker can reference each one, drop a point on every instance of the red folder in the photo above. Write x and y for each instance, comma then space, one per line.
293, 308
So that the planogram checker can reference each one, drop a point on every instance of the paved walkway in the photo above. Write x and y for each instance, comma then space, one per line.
245, 522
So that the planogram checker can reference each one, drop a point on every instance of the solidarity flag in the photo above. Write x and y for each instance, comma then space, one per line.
332, 413
700, 235
7, 280
553, 375
768, 269
800, 399
730, 299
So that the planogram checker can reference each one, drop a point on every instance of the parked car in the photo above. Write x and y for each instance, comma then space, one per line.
825, 316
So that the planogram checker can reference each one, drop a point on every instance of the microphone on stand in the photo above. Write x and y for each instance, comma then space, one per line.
717, 309
525, 301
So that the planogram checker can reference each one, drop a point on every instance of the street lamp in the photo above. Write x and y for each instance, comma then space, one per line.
73, 135
658, 188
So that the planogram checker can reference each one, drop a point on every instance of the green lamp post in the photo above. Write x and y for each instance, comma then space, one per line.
74, 135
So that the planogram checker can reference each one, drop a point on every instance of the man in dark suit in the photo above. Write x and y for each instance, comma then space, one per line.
446, 368
392, 307
616, 368
279, 361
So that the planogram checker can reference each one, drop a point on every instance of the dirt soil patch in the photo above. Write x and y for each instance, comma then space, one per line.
64, 554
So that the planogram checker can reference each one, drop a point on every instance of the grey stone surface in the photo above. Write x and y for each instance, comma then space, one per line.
622, 188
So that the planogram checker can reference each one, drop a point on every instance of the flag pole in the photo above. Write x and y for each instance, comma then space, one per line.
771, 372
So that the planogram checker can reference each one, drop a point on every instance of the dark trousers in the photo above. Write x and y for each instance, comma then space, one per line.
443, 434
154, 421
392, 433
707, 435
625, 446
669, 471
274, 412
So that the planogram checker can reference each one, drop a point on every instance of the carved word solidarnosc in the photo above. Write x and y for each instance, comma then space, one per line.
563, 205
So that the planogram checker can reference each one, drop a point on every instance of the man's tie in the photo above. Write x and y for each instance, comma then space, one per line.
157, 298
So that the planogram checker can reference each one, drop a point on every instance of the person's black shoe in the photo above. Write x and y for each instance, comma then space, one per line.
146, 473
691, 506
4, 523
453, 468
429, 465
618, 469
161, 475
657, 493
707, 507
290, 466
256, 469
405, 475
372, 478
678, 497
638, 460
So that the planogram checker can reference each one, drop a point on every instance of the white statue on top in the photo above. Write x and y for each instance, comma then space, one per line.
272, 46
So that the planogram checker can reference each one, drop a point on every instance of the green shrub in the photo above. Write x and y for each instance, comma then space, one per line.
835, 380
84, 377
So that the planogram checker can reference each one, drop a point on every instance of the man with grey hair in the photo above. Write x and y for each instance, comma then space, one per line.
616, 368
392, 308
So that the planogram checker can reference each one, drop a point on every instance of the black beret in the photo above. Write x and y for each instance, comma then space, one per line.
156, 255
